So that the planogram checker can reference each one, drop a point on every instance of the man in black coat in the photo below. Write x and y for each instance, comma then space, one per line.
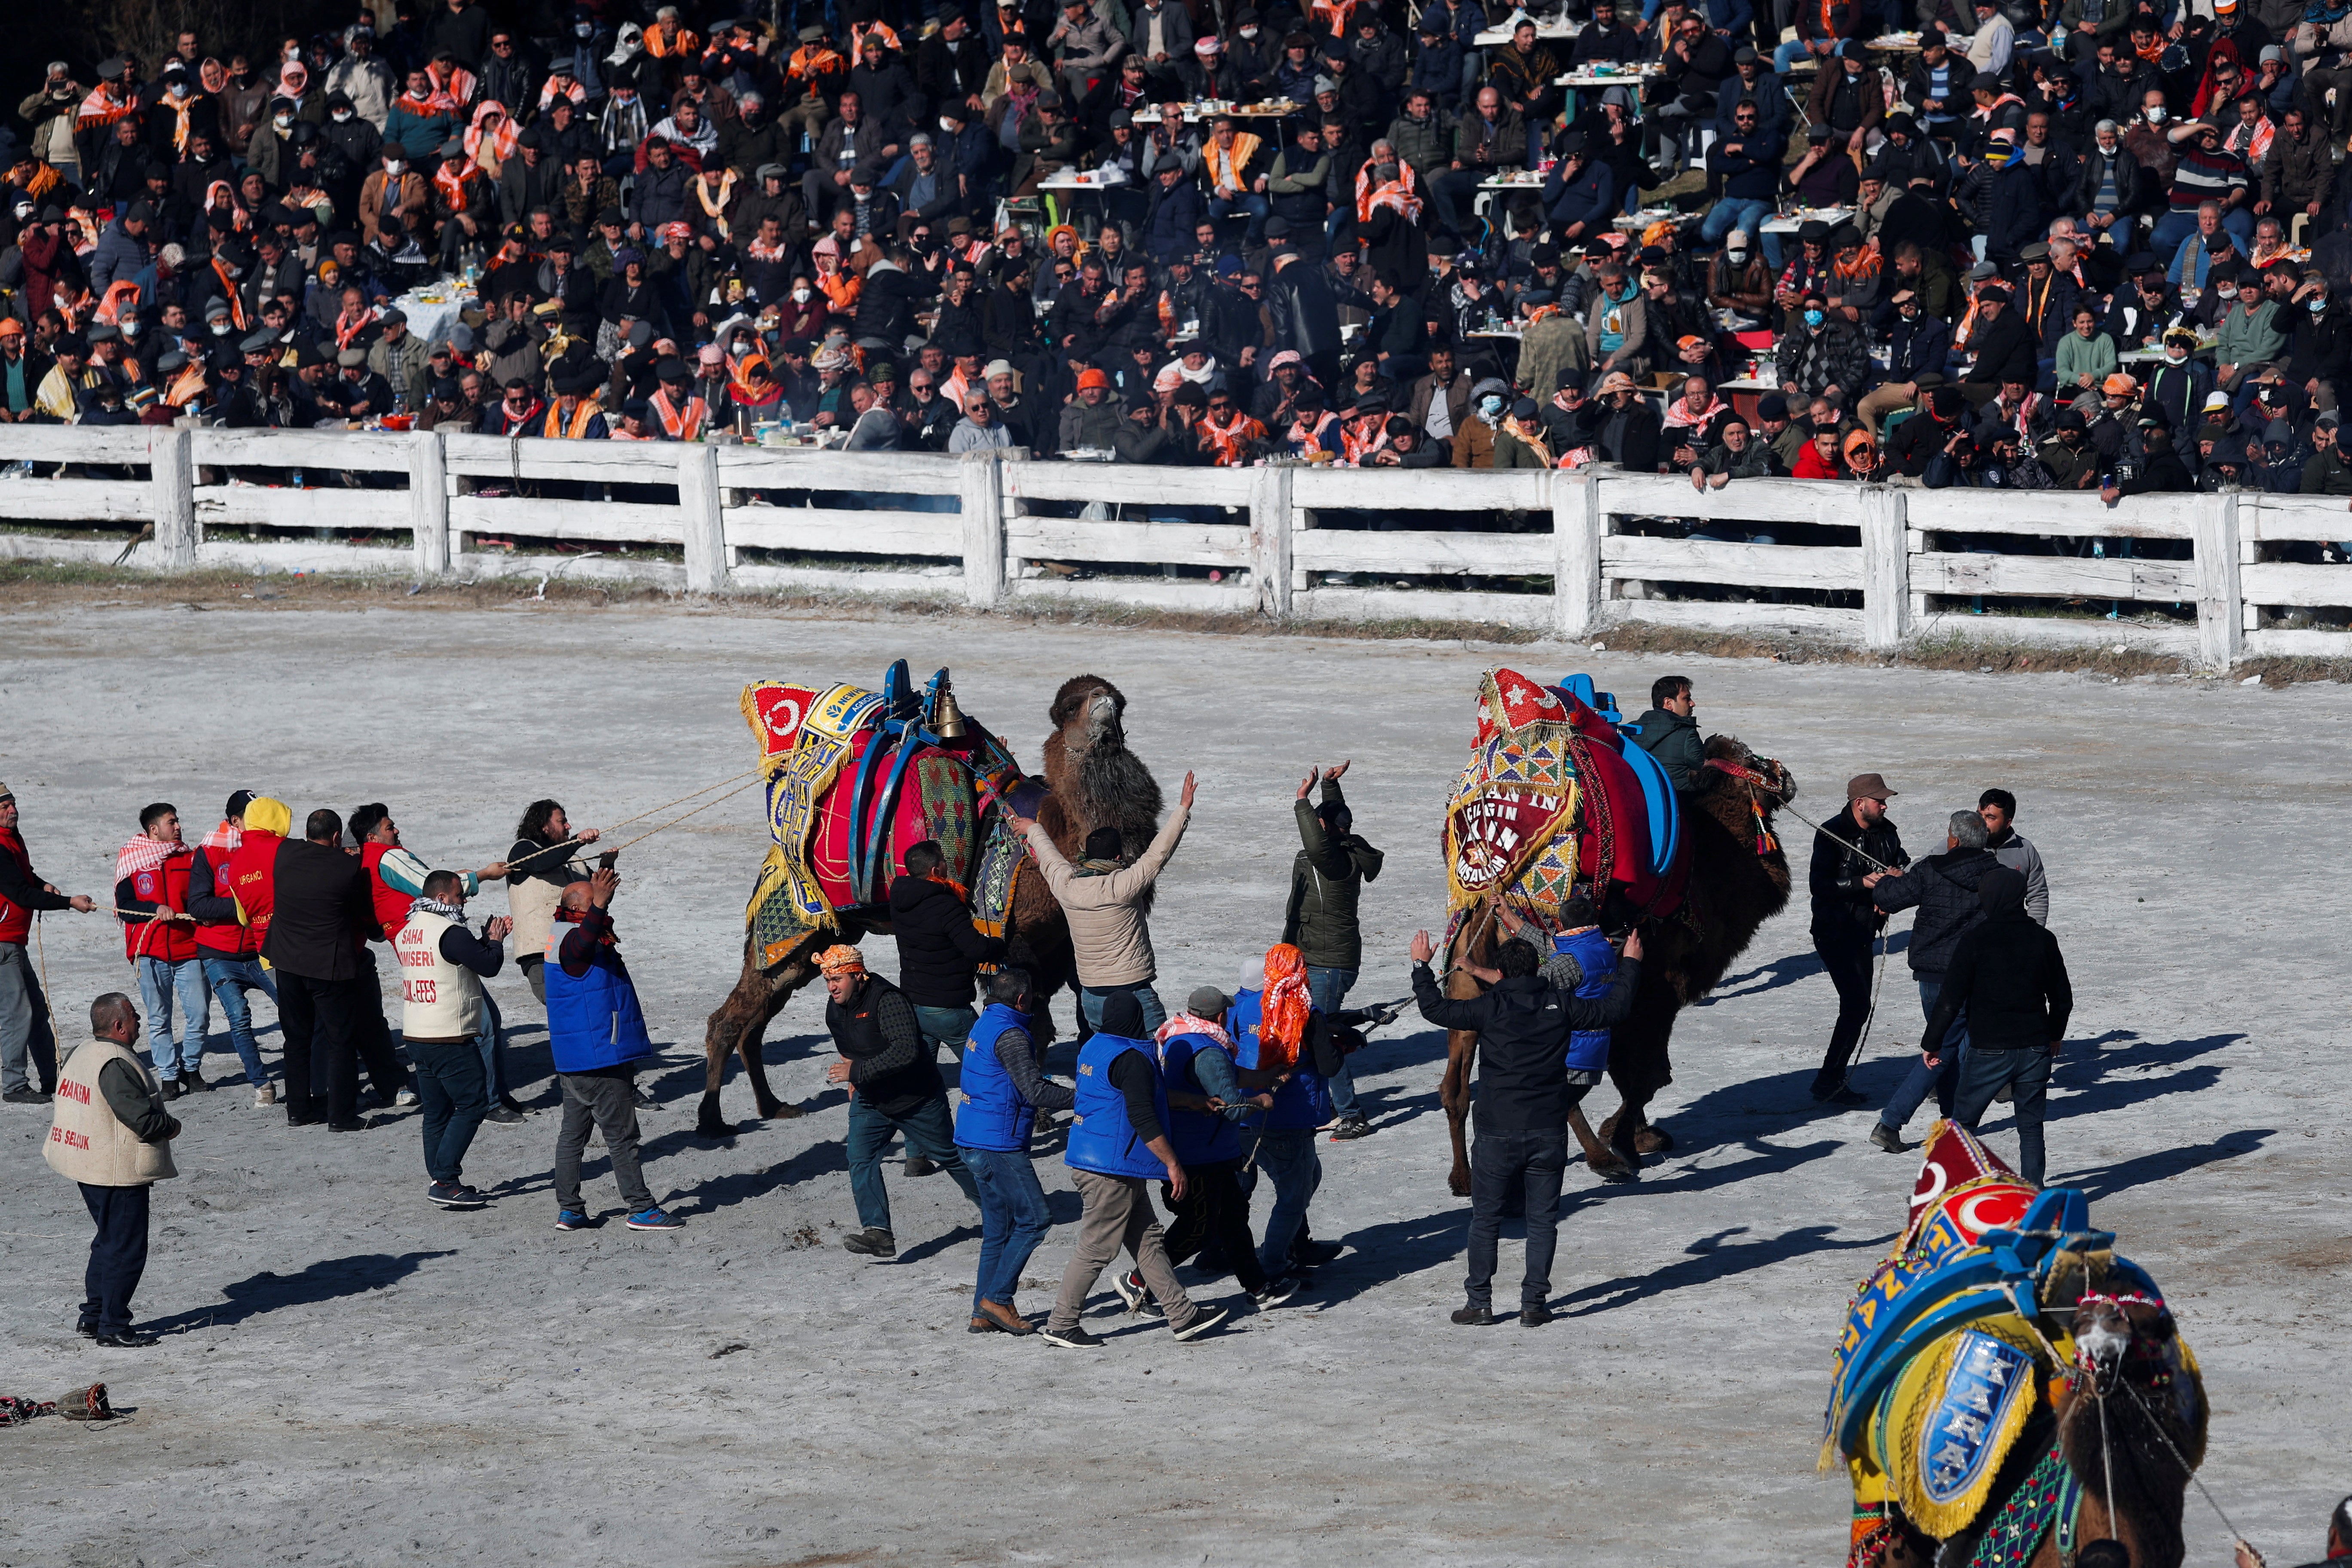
1943, 889
2004, 344
1523, 1100
1850, 854
322, 916
2010, 978
1306, 316
939, 947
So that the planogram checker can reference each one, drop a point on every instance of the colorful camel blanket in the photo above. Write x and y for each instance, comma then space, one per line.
1546, 808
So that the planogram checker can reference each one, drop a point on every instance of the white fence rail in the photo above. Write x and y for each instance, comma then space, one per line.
2200, 575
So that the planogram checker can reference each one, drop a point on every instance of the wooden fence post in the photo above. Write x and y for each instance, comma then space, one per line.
1885, 568
980, 494
171, 455
1270, 520
428, 503
2220, 623
705, 520
1576, 543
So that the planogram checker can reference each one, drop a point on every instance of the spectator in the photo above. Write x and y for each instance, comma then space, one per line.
110, 1136
1327, 881
2014, 850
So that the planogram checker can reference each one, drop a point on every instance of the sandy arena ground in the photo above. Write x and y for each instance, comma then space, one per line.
352, 1376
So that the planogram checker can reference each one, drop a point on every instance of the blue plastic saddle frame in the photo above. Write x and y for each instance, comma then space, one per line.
1657, 789
905, 727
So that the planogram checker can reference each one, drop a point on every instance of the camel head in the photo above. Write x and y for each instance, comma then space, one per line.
1773, 779
1096, 781
1088, 710
2134, 1411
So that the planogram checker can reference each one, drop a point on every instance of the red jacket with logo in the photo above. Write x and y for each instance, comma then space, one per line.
252, 880
175, 941
218, 930
392, 905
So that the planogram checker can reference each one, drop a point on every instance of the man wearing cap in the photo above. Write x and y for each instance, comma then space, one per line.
2156, 468
2001, 347
1851, 853
1580, 194
894, 1088
2326, 472
2249, 339
1938, 85
1918, 350
26, 1034
573, 415
126, 247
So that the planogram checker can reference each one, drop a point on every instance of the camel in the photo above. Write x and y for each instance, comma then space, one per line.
1092, 781
1733, 889
2152, 1420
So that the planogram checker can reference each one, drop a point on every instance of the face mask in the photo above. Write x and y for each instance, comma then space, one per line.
2227, 293
2318, 307
342, 116
282, 122
2156, 115
294, 55
948, 126
584, 30
1250, 33
1910, 312
2175, 357
220, 329
179, 90
394, 166
800, 296
1736, 258
1490, 407
1814, 318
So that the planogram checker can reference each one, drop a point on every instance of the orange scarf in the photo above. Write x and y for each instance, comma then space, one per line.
229, 291
683, 424
1399, 196
347, 331
581, 412
456, 91
1225, 164
492, 125
1282, 1010
1231, 442
451, 179
680, 41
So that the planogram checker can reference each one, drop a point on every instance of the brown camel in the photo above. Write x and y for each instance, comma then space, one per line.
1733, 890
1092, 781
2153, 1420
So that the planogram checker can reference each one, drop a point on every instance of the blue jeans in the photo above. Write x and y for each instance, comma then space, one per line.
1537, 1159
230, 979
1748, 217
1922, 1077
1327, 988
1290, 1162
1790, 51
1013, 1219
1090, 1003
2027, 1072
159, 981
928, 1132
945, 1026
2174, 227
493, 1036
1247, 202
454, 1094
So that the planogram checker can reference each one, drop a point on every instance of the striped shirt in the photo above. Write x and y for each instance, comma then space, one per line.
2205, 176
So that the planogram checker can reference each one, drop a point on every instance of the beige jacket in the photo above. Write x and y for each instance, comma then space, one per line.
1109, 932
86, 1143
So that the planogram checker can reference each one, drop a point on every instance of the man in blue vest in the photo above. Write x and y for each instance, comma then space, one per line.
1294, 1063
1523, 1027
1117, 1144
597, 1032
997, 1101
893, 1074
1206, 1101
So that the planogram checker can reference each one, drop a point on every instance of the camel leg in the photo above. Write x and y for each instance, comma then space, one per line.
1604, 1161
763, 1098
736, 1027
1461, 1049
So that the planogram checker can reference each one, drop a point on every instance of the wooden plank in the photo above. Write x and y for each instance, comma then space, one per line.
1423, 604
230, 506
2060, 631
327, 451
2070, 514
2283, 642
2055, 576
74, 444
824, 532
611, 523
2296, 584
2275, 517
842, 580
1716, 616
1127, 484
76, 501
1742, 500
1152, 543
812, 468
1420, 554
1630, 557
1157, 594
608, 462
1414, 489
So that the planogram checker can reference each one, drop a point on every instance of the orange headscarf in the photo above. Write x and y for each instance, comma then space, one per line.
1282, 1020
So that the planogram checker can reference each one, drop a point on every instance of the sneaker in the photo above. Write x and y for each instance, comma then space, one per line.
454, 1195
504, 1117
265, 1095
1536, 1317
871, 1243
1275, 1292
1886, 1138
1469, 1317
1130, 1289
1350, 1127
85, 1329
1206, 1321
25, 1095
1074, 1338
406, 1097
572, 1219
654, 1219
1005, 1320
128, 1340
917, 1167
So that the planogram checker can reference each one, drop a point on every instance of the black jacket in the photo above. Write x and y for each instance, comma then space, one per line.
320, 914
2005, 350
1675, 741
1943, 889
1523, 1028
889, 1065
937, 945
2009, 975
1841, 905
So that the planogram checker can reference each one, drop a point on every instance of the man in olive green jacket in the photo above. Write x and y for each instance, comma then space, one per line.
1326, 880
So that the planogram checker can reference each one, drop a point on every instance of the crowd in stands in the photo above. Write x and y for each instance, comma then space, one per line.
2094, 244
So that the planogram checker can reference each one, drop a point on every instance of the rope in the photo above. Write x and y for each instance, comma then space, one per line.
1863, 1046
2182, 1459
2106, 1460
674, 821
1800, 816
665, 806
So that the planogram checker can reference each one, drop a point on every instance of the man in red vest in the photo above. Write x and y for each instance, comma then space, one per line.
159, 938
25, 1029
230, 950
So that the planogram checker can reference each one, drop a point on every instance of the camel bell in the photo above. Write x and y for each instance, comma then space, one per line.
947, 719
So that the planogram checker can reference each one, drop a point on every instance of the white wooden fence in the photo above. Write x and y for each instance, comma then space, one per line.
983, 528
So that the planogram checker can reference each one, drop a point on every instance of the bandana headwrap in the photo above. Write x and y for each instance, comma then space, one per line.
223, 840
1282, 1025
1192, 1024
840, 959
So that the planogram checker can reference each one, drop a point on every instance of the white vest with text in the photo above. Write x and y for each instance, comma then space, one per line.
87, 1143
443, 1001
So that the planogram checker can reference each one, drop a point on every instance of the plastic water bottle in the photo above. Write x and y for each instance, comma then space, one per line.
297, 479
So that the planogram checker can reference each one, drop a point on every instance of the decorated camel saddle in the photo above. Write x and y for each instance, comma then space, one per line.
1958, 1352
1553, 805
854, 778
